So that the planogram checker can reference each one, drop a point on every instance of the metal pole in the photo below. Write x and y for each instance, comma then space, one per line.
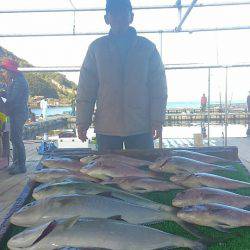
208, 107
101, 33
226, 109
161, 52
167, 67
202, 5
178, 5
179, 27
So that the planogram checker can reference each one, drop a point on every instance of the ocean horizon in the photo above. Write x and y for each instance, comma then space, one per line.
171, 105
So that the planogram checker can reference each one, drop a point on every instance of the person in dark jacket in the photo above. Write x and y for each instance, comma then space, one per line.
16, 106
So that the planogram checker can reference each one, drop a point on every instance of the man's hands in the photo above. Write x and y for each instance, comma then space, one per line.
82, 134
157, 133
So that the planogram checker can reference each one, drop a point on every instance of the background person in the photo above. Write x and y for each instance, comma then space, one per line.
203, 103
44, 107
124, 76
17, 109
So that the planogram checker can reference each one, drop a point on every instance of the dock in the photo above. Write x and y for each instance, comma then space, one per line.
33, 129
233, 118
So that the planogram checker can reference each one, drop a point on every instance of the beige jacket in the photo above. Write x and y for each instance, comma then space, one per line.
130, 98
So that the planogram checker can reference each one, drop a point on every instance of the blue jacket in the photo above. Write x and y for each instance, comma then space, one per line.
17, 97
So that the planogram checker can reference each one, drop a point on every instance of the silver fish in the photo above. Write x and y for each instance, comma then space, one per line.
215, 215
205, 195
142, 185
93, 206
208, 180
199, 156
97, 234
182, 165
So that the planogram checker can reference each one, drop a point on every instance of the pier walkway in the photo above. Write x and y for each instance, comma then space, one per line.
12, 186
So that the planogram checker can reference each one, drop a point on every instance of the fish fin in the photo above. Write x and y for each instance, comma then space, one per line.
110, 180
144, 167
230, 168
116, 217
107, 194
195, 232
200, 245
71, 221
247, 207
221, 229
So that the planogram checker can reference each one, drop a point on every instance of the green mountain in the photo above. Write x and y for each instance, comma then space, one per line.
50, 85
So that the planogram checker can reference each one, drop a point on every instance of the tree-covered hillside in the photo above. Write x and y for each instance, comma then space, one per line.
50, 85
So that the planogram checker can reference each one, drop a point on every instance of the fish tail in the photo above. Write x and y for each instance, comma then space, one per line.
247, 207
199, 246
203, 241
230, 168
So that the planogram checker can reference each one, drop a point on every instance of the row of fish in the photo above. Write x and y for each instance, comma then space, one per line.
74, 191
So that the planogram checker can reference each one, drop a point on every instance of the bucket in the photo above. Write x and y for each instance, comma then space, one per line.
198, 140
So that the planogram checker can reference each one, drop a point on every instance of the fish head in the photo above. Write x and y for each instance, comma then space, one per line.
157, 165
29, 214
193, 213
190, 196
95, 169
29, 237
88, 159
44, 191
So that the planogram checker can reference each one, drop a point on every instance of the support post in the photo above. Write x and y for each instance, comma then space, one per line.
179, 27
161, 52
208, 107
226, 109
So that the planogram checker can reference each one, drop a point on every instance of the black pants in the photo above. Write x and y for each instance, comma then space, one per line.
16, 137
142, 141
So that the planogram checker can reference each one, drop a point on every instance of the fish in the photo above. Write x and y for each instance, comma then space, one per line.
86, 206
115, 159
183, 165
85, 187
64, 163
199, 156
208, 180
98, 234
214, 215
49, 175
205, 195
104, 172
87, 159
142, 185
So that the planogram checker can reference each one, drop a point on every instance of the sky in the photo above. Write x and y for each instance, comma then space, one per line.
227, 47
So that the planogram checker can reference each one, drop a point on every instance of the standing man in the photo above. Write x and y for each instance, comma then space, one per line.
16, 106
203, 103
123, 75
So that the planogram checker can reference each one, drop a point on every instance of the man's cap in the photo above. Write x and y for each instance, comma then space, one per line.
118, 4
9, 64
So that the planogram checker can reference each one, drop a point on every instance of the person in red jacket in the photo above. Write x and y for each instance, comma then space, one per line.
203, 103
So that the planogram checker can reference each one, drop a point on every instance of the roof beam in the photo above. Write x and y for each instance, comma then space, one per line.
167, 67
215, 4
101, 33
179, 27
